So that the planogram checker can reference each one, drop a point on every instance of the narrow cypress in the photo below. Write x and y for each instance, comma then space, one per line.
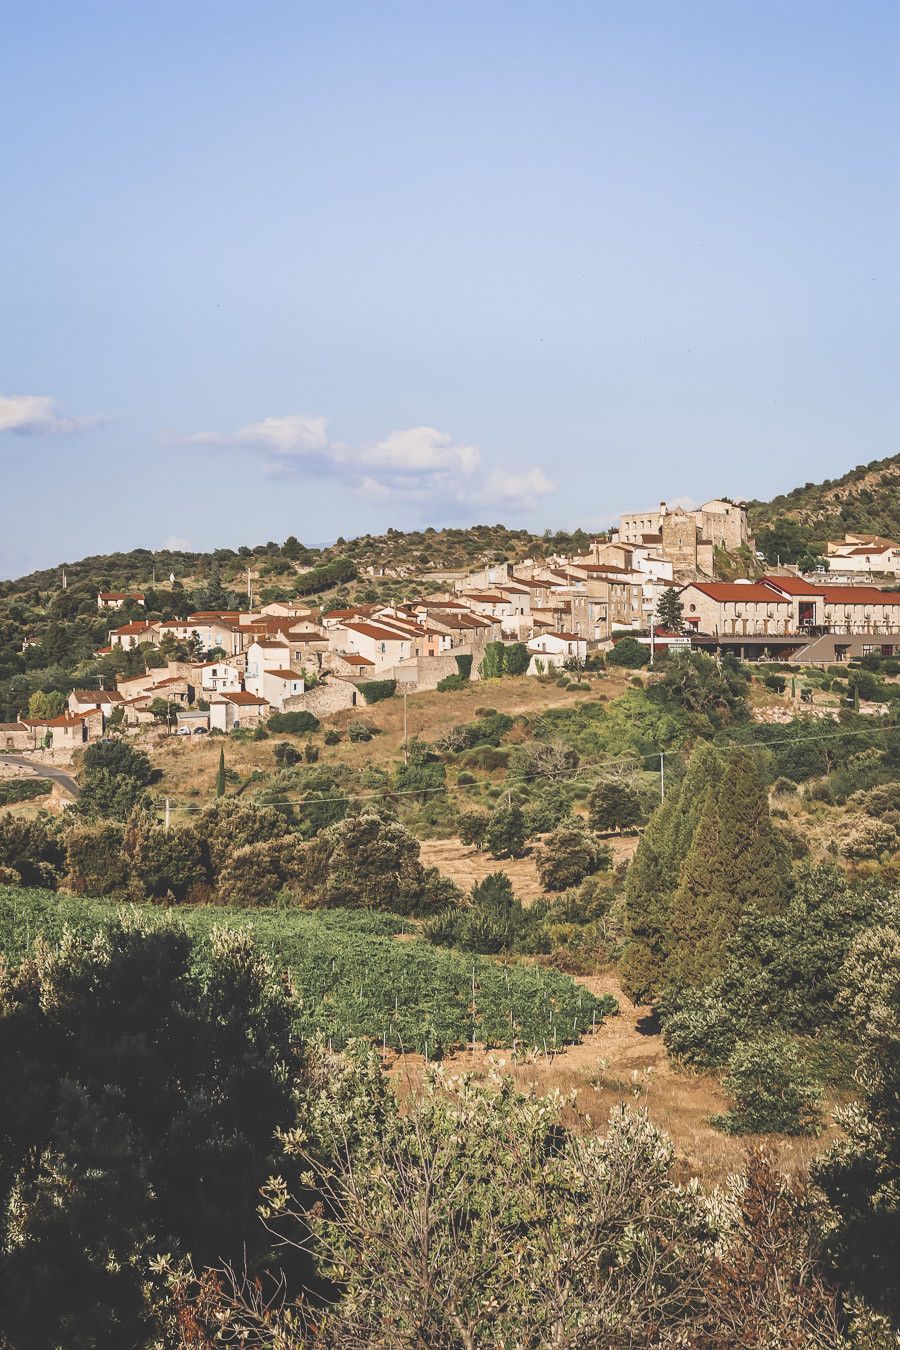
735, 859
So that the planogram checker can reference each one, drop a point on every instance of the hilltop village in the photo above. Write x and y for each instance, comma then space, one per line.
653, 580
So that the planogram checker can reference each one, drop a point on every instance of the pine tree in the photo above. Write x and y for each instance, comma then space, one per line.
220, 776
670, 611
735, 859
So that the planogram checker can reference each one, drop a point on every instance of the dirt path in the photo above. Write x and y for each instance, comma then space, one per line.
625, 1061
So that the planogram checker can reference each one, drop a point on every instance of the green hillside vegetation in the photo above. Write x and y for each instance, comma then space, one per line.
353, 978
798, 524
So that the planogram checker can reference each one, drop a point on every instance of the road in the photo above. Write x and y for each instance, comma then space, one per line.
44, 771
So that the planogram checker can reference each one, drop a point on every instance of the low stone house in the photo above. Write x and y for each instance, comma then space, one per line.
116, 599
564, 646
16, 736
86, 700
217, 677
68, 732
241, 709
278, 685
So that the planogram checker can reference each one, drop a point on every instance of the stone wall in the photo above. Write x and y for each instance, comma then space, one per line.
326, 699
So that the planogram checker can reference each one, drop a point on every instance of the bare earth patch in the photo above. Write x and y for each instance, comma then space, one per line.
625, 1062
466, 865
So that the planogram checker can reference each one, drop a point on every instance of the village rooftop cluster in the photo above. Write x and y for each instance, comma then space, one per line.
231, 669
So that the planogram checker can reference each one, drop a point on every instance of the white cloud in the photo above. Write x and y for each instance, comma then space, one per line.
178, 545
39, 415
290, 436
518, 489
420, 449
416, 466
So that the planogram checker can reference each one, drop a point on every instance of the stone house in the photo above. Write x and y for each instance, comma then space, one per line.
278, 685
116, 599
736, 609
16, 736
216, 677
86, 700
352, 665
382, 645
864, 554
783, 605
241, 709
557, 648
142, 632
67, 732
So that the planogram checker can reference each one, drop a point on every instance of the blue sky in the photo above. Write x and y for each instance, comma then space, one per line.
316, 269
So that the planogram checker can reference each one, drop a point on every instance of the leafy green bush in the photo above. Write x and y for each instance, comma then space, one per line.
628, 652
464, 666
772, 1089
569, 855
324, 576
505, 835
360, 731
293, 723
286, 754
373, 691
14, 790
31, 850
451, 682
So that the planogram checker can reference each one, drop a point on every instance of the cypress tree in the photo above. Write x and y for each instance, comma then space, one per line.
220, 776
735, 859
654, 873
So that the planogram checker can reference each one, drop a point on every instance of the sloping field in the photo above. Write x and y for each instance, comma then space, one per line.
352, 975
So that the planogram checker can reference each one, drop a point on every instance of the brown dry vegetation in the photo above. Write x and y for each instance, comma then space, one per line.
625, 1061
188, 764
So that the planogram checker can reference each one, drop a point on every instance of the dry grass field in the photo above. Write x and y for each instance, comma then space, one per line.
188, 764
625, 1062
467, 866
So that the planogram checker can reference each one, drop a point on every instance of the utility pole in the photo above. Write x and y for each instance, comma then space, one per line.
405, 732
167, 815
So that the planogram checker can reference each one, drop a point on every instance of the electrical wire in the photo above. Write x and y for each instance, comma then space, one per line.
590, 773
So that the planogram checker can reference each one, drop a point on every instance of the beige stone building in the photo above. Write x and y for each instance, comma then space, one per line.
688, 538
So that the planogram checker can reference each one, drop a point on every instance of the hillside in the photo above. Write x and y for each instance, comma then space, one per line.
865, 500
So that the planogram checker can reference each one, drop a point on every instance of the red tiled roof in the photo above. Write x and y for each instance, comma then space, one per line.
354, 659
791, 585
243, 697
860, 595
372, 631
730, 591
285, 674
66, 720
97, 695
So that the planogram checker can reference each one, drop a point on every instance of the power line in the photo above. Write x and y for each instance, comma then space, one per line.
589, 772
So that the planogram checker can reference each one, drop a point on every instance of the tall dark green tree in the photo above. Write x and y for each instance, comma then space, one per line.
220, 776
653, 875
670, 610
735, 859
